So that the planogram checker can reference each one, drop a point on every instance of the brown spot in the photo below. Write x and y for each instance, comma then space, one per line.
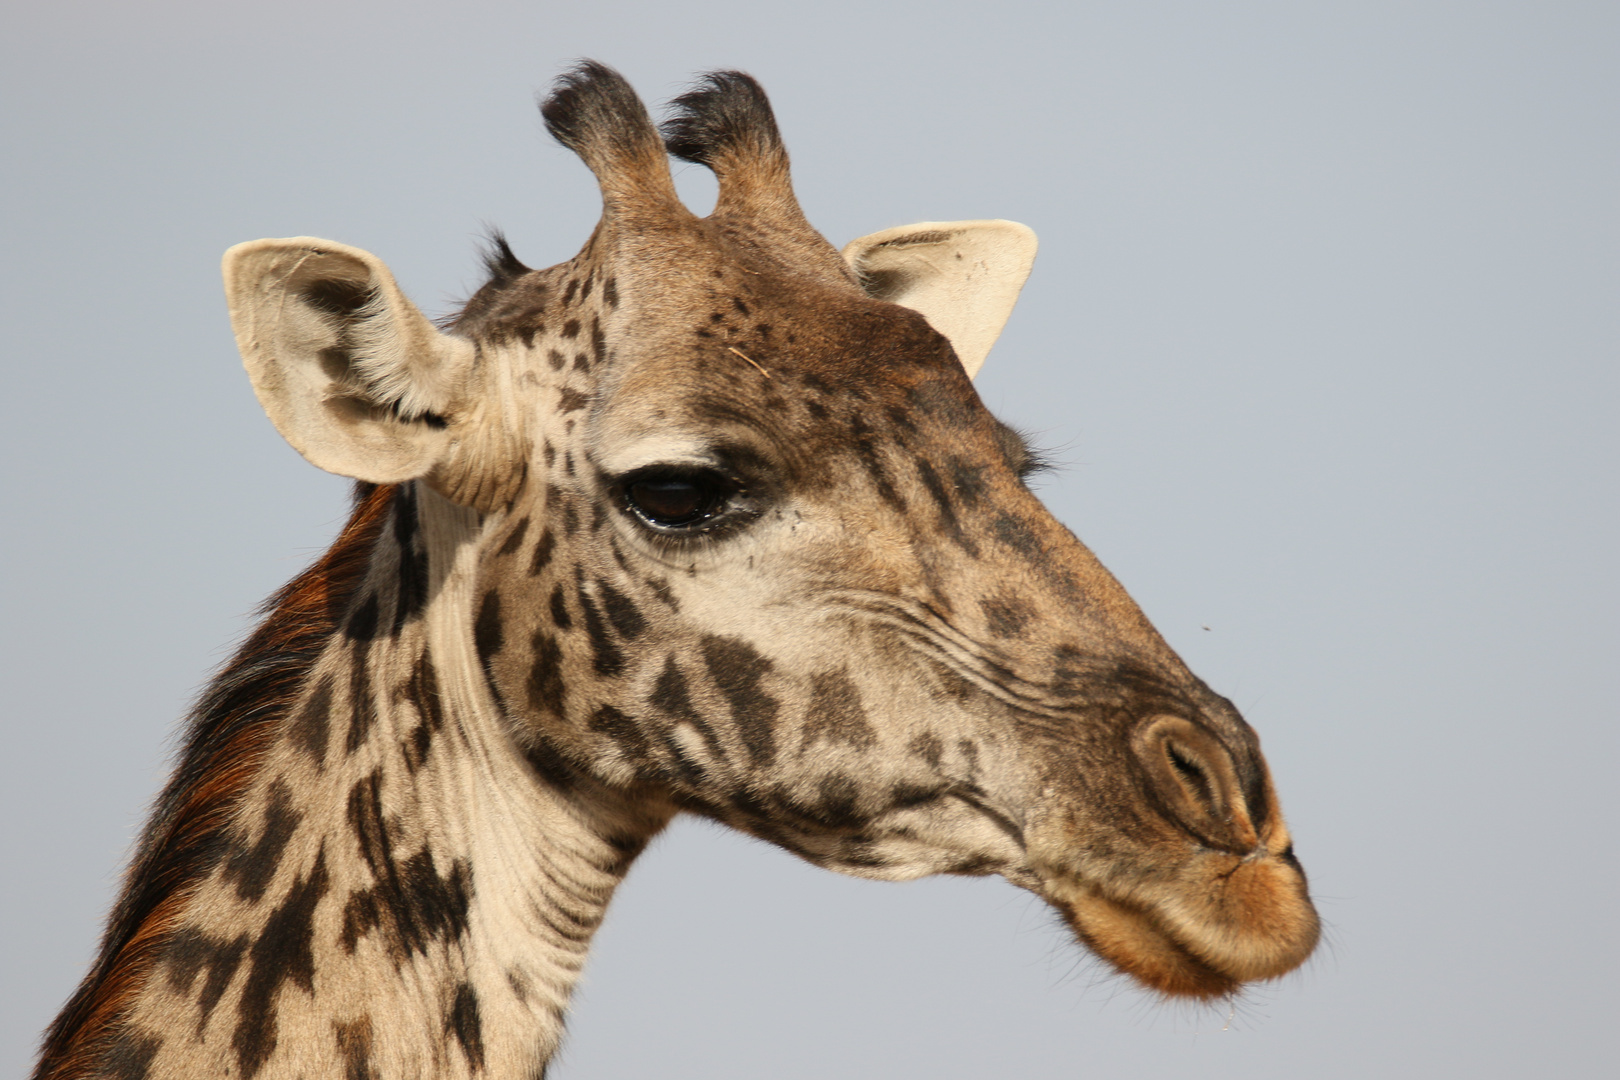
546, 688
354, 1047
464, 1023
1006, 615
738, 669
514, 540
928, 747
282, 952
836, 713
542, 550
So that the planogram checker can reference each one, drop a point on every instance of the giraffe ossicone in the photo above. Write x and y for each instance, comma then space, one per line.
707, 519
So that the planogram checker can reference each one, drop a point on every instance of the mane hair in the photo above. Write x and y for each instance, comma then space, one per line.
502, 270
501, 265
234, 721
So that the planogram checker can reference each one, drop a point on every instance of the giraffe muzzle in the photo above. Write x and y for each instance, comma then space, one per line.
1216, 899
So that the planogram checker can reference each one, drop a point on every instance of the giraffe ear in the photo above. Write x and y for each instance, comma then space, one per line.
350, 372
963, 276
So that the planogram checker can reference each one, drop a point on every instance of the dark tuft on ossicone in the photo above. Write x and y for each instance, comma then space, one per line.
727, 111
592, 108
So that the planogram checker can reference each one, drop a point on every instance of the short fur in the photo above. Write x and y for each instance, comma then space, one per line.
691, 523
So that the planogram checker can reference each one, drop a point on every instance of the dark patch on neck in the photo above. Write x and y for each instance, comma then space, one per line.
514, 539
488, 635
129, 1058
553, 769
409, 902
598, 341
189, 953
544, 548
423, 691
464, 1023
251, 868
413, 568
310, 730
354, 1046
362, 705
362, 625
282, 952
622, 731
839, 801
560, 616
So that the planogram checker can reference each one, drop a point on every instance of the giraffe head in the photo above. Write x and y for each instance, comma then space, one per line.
745, 542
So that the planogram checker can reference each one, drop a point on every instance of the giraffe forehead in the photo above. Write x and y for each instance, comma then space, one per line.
698, 410
703, 342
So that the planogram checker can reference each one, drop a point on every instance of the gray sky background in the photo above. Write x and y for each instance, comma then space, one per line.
1324, 328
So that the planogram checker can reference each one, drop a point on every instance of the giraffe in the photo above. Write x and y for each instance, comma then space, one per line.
706, 520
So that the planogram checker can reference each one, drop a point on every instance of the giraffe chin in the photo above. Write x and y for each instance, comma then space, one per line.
1201, 950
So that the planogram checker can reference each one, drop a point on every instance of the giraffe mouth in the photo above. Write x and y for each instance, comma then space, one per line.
1234, 924
1133, 942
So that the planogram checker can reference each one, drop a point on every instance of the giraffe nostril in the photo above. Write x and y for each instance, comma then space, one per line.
1193, 777
1196, 782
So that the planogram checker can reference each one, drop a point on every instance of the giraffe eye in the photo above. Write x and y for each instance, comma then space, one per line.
679, 499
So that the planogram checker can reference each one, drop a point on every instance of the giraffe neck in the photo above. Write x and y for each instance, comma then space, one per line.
402, 892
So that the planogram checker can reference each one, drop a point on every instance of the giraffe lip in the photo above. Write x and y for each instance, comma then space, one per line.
1135, 943
1225, 921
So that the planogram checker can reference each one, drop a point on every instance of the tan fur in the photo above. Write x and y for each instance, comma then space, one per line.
688, 523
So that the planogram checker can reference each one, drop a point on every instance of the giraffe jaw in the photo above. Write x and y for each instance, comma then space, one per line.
1224, 921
